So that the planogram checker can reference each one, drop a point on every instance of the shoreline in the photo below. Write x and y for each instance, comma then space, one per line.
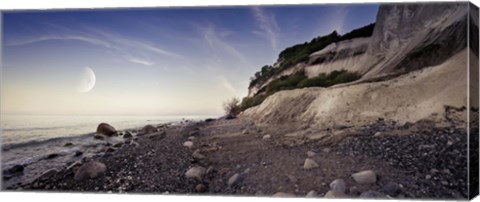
57, 152
158, 163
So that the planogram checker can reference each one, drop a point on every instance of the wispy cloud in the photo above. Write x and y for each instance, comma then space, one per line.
337, 21
226, 84
219, 47
267, 24
86, 39
127, 48
141, 61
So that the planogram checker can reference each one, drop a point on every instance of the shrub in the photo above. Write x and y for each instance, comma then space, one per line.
232, 107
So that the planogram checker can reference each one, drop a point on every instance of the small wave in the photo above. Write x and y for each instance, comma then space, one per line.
44, 141
29, 129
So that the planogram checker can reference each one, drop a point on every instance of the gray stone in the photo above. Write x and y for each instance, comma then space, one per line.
90, 170
326, 150
312, 194
196, 172
234, 179
365, 177
266, 137
377, 134
338, 185
188, 144
309, 164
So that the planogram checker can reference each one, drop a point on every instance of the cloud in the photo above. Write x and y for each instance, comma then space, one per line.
89, 40
218, 46
127, 48
141, 61
268, 26
338, 16
226, 84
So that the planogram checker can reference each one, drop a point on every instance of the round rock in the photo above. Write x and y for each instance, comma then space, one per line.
234, 179
148, 129
266, 137
200, 188
106, 129
196, 172
188, 144
338, 185
309, 164
365, 177
90, 170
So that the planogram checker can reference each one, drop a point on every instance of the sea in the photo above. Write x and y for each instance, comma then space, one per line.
27, 140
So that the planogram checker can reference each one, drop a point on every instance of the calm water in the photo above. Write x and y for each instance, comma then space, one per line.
24, 128
27, 140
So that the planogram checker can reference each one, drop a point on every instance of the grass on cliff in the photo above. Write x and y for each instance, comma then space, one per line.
299, 80
300, 53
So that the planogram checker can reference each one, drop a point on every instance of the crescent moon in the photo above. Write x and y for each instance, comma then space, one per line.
87, 80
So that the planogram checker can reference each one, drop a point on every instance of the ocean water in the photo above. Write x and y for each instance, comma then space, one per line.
17, 129
27, 140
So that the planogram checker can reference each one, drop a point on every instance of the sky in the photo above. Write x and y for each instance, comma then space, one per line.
152, 61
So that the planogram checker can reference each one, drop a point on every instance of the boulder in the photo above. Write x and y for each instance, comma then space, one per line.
147, 130
196, 172
105, 129
338, 185
68, 144
309, 164
266, 137
90, 170
365, 177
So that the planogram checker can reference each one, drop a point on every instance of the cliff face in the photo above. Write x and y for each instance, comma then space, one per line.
417, 55
406, 37
412, 36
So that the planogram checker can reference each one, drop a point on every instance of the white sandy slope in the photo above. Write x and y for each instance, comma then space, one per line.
421, 94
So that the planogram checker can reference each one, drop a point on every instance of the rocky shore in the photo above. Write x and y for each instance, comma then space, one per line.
237, 157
